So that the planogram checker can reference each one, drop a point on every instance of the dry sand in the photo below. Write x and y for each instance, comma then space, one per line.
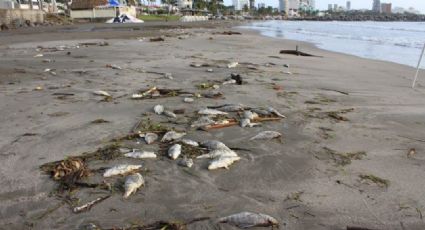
297, 181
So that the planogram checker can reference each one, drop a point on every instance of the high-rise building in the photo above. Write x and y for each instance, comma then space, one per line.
240, 4
261, 5
335, 7
284, 6
312, 4
330, 7
376, 6
348, 6
293, 4
386, 8
251, 4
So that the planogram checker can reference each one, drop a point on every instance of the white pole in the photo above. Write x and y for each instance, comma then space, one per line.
417, 69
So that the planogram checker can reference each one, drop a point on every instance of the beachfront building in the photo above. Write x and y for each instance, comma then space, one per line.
348, 6
386, 8
283, 6
329, 7
240, 4
376, 6
185, 4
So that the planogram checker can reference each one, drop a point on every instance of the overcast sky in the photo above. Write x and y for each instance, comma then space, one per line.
355, 4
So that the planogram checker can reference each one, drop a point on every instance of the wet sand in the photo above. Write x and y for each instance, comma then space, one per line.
299, 181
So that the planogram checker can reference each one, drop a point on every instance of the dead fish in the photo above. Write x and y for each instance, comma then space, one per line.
158, 109
150, 138
275, 112
261, 111
223, 152
190, 142
175, 151
188, 100
101, 93
249, 219
211, 112
222, 162
132, 183
202, 121
186, 162
213, 145
411, 152
229, 82
170, 114
120, 169
232, 65
171, 136
140, 154
232, 108
266, 135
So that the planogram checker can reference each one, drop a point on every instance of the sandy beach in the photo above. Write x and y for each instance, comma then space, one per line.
342, 161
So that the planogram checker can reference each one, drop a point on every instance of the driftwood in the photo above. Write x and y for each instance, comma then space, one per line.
233, 122
158, 39
297, 53
89, 205
228, 33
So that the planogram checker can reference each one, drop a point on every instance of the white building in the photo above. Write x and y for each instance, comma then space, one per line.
240, 4
185, 4
283, 6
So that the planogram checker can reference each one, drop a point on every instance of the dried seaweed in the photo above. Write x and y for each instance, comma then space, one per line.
99, 121
343, 159
376, 180
148, 125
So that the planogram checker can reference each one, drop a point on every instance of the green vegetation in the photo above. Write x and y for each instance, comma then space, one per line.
157, 17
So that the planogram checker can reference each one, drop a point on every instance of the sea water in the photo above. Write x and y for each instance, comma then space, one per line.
399, 42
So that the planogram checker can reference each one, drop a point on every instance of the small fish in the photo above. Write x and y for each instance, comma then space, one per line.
202, 121
38, 55
229, 82
249, 219
266, 135
190, 142
275, 112
222, 162
211, 112
175, 151
213, 145
170, 114
120, 169
140, 154
232, 65
261, 111
188, 100
219, 153
186, 162
158, 109
171, 136
150, 138
411, 152
132, 183
232, 108
101, 93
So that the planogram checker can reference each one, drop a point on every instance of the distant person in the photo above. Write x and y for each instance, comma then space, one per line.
117, 20
124, 18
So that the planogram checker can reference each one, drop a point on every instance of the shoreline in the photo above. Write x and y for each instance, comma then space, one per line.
329, 50
350, 122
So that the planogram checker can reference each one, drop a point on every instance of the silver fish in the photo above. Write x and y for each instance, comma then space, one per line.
158, 109
211, 112
188, 100
101, 93
266, 135
190, 142
275, 112
172, 135
228, 82
169, 114
213, 145
202, 121
120, 169
219, 153
249, 115
222, 162
232, 108
261, 111
151, 138
132, 183
175, 151
140, 154
186, 162
249, 219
